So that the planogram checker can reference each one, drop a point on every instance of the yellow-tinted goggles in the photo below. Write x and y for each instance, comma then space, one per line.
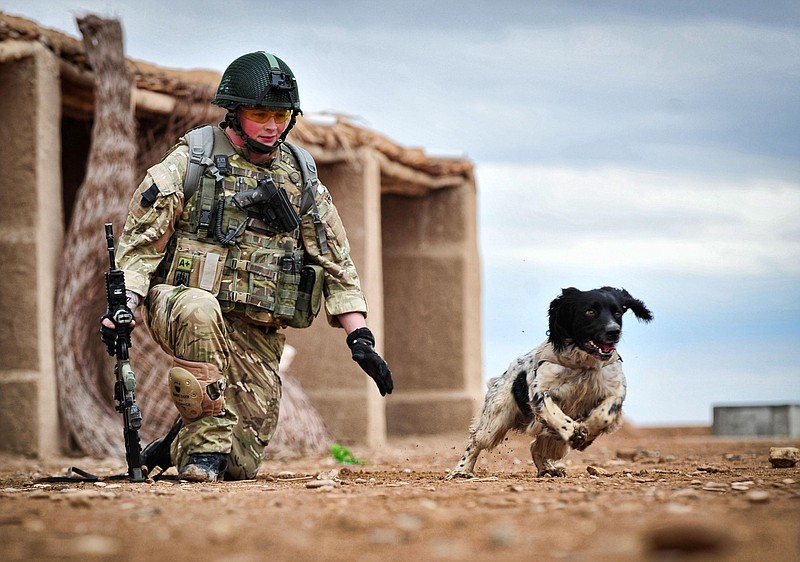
262, 114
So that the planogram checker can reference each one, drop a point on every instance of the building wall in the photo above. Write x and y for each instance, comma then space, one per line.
30, 242
432, 285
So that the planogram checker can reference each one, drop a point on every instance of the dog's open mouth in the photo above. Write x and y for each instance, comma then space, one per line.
602, 350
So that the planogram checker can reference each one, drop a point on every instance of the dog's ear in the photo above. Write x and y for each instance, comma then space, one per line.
638, 307
560, 316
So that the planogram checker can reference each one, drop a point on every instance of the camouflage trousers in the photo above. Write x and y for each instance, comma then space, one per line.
188, 324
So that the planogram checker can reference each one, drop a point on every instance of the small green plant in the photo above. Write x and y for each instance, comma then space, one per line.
343, 455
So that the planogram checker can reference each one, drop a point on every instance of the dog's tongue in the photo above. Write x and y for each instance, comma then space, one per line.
605, 347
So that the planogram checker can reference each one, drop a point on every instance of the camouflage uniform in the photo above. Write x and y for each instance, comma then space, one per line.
230, 330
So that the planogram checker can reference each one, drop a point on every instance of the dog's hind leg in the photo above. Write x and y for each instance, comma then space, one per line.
499, 415
466, 465
544, 450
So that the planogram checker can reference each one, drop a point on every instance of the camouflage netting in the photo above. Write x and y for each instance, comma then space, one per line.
85, 371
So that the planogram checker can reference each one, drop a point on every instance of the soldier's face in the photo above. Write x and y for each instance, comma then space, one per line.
267, 129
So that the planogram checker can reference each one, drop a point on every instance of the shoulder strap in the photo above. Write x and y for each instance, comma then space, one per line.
308, 171
201, 145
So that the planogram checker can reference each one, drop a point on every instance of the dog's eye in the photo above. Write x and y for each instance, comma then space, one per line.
591, 313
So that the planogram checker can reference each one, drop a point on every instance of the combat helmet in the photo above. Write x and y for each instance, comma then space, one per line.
258, 79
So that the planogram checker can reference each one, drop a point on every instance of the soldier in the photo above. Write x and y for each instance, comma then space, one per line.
229, 239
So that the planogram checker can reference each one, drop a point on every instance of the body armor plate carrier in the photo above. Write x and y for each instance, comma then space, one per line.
241, 257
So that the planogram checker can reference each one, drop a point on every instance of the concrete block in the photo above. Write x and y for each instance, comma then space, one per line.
757, 420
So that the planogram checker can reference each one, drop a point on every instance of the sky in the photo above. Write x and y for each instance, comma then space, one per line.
652, 146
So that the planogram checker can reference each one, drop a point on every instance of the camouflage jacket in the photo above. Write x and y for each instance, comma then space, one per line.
158, 216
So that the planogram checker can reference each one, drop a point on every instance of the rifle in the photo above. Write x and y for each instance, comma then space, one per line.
125, 382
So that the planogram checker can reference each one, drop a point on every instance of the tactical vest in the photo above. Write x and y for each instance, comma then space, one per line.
254, 272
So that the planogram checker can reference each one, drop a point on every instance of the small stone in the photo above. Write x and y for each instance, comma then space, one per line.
715, 487
220, 531
711, 469
329, 475
687, 537
502, 536
10, 520
742, 486
689, 493
784, 457
597, 471
757, 496
409, 523
321, 484
385, 536
677, 508
627, 454
97, 545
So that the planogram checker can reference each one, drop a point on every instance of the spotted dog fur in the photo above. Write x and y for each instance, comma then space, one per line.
565, 393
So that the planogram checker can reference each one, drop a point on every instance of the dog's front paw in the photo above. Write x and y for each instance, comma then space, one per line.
580, 437
585, 445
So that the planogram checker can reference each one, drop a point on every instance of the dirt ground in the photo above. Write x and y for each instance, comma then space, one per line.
655, 495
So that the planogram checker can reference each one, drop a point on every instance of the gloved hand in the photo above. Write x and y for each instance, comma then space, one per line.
362, 343
108, 329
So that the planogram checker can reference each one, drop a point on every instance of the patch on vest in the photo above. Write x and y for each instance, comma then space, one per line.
183, 270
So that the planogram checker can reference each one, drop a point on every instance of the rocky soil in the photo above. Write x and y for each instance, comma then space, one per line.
636, 495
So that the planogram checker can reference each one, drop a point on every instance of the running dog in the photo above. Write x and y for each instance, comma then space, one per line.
568, 391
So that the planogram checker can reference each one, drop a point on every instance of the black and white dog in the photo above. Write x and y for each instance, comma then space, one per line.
566, 392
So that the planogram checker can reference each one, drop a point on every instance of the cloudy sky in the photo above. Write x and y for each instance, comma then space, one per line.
653, 146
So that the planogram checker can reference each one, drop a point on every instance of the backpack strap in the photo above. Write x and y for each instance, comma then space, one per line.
201, 142
308, 172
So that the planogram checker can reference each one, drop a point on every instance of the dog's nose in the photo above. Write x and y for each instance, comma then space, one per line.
613, 335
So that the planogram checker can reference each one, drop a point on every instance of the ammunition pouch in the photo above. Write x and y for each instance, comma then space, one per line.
266, 281
309, 296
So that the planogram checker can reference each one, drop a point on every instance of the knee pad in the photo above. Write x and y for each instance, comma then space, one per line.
197, 389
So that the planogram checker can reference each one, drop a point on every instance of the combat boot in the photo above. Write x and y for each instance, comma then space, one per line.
156, 454
204, 467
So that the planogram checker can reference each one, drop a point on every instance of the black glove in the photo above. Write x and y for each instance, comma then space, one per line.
108, 335
362, 343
